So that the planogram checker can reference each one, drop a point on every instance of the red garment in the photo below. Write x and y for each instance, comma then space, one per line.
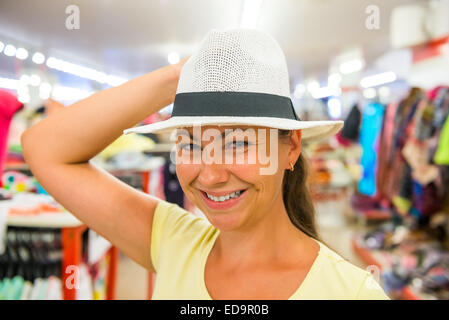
8, 106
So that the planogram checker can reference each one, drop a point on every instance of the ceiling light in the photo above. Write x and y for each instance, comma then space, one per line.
35, 80
384, 91
63, 93
11, 84
10, 50
114, 81
45, 90
378, 79
312, 86
334, 79
369, 93
334, 108
21, 54
38, 58
173, 58
24, 79
250, 13
351, 66
300, 89
325, 92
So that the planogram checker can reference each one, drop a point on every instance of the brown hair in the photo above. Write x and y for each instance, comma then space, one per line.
296, 194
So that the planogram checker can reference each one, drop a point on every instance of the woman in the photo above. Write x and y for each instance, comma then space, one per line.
260, 241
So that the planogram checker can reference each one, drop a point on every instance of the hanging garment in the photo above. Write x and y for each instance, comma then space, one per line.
351, 127
442, 153
441, 103
384, 166
369, 135
8, 106
172, 189
415, 152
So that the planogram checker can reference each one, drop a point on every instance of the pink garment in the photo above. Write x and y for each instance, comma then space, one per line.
8, 106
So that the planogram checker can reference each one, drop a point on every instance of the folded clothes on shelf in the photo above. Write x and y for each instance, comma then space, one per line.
27, 203
416, 260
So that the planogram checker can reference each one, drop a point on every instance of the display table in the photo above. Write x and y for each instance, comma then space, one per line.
72, 231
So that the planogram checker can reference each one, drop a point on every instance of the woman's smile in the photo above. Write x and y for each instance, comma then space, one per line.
222, 200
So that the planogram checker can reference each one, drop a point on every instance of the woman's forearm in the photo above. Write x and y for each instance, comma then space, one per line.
82, 130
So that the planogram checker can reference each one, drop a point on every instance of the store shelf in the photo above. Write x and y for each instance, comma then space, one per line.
374, 214
158, 148
44, 220
408, 294
161, 148
16, 166
369, 257
365, 254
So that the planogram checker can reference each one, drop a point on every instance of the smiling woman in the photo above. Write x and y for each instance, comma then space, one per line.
244, 170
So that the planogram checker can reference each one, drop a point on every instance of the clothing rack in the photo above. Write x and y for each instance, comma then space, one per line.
71, 230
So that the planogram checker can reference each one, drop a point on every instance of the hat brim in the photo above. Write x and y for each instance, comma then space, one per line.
311, 130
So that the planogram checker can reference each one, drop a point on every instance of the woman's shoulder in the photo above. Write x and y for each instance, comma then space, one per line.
176, 219
175, 231
336, 278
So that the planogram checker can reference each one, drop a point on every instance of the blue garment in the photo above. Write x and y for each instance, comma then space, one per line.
372, 119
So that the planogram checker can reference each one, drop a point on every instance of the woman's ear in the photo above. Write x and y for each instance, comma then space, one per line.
295, 146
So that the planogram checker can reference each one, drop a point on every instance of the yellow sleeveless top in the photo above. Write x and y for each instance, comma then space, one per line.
180, 245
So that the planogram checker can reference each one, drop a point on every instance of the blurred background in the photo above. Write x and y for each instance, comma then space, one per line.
381, 186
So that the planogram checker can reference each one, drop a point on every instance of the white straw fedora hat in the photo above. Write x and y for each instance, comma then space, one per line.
237, 77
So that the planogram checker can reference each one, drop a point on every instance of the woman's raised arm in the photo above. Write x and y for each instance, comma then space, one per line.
58, 150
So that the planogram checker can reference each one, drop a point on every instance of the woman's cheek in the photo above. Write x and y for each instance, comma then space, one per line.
246, 172
186, 173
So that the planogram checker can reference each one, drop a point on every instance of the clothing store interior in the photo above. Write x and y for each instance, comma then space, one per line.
380, 186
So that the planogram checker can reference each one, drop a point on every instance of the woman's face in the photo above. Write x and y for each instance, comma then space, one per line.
234, 176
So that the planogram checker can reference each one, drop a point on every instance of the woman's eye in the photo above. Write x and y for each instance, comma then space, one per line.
237, 144
189, 146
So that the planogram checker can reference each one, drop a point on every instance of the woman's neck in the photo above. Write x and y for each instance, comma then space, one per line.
272, 237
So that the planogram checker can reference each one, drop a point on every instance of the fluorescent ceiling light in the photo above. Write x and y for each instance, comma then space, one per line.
300, 89
68, 93
250, 13
38, 58
114, 81
384, 91
334, 79
11, 84
24, 79
351, 66
21, 54
35, 80
312, 86
173, 58
334, 108
84, 72
378, 79
2, 46
45, 90
369, 93
10, 50
325, 92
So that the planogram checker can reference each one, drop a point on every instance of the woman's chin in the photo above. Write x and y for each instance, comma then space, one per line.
225, 221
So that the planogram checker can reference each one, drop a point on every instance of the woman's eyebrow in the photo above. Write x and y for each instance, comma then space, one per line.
223, 135
185, 133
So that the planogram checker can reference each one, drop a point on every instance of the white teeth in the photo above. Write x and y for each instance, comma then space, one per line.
226, 197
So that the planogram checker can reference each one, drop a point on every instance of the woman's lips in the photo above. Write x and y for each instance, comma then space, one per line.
222, 205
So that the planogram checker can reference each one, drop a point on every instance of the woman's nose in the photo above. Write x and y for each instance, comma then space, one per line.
213, 174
